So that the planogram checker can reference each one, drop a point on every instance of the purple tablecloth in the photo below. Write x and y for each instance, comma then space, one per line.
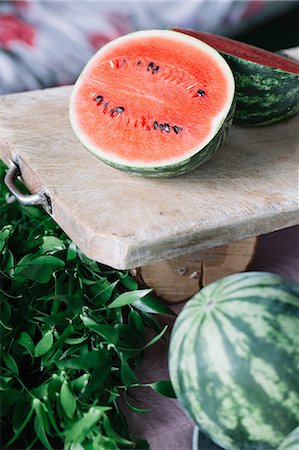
166, 426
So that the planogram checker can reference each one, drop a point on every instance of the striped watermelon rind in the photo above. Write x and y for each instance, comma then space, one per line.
185, 165
291, 441
264, 95
234, 358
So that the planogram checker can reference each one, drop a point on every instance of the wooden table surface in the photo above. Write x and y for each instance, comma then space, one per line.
249, 188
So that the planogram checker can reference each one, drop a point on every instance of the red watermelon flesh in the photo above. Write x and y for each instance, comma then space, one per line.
244, 51
151, 98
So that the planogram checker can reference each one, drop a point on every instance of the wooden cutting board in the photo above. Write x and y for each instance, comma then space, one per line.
249, 188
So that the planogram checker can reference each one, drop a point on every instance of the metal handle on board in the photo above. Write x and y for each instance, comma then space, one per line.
39, 199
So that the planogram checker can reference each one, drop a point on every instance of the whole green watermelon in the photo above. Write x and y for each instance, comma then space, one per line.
234, 360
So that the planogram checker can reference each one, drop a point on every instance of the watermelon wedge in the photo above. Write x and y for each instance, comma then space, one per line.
155, 103
267, 84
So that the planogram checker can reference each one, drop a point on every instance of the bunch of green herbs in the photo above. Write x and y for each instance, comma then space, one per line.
72, 334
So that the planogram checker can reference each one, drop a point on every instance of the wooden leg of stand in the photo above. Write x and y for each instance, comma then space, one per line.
178, 279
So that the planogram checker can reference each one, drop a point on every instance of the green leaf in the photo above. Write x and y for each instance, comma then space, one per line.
107, 332
127, 375
104, 295
113, 394
5, 326
20, 411
5, 233
98, 377
68, 399
5, 312
10, 363
88, 360
127, 298
151, 342
73, 302
130, 283
163, 387
21, 428
77, 340
137, 410
34, 240
88, 263
57, 319
79, 384
18, 278
150, 321
5, 383
129, 336
9, 263
119, 423
136, 322
26, 341
52, 244
8, 399
152, 305
41, 415
52, 419
112, 434
156, 338
40, 391
115, 316
39, 269
44, 345
71, 252
78, 431
54, 386
41, 433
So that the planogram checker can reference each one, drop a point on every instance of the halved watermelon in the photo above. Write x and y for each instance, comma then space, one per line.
153, 102
267, 84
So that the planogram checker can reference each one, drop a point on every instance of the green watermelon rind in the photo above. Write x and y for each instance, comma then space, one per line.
264, 95
291, 441
247, 397
186, 165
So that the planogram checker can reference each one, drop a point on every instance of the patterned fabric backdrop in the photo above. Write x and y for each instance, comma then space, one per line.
46, 43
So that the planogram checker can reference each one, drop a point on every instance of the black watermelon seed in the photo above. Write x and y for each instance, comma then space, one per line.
150, 66
119, 109
155, 70
99, 99
139, 62
156, 125
161, 126
200, 93
166, 127
106, 105
177, 129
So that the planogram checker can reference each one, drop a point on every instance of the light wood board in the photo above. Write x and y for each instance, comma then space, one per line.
249, 188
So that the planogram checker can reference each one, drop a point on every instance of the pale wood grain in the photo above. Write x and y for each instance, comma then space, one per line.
250, 187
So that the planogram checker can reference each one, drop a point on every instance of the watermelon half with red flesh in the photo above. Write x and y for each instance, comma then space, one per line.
155, 103
267, 84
